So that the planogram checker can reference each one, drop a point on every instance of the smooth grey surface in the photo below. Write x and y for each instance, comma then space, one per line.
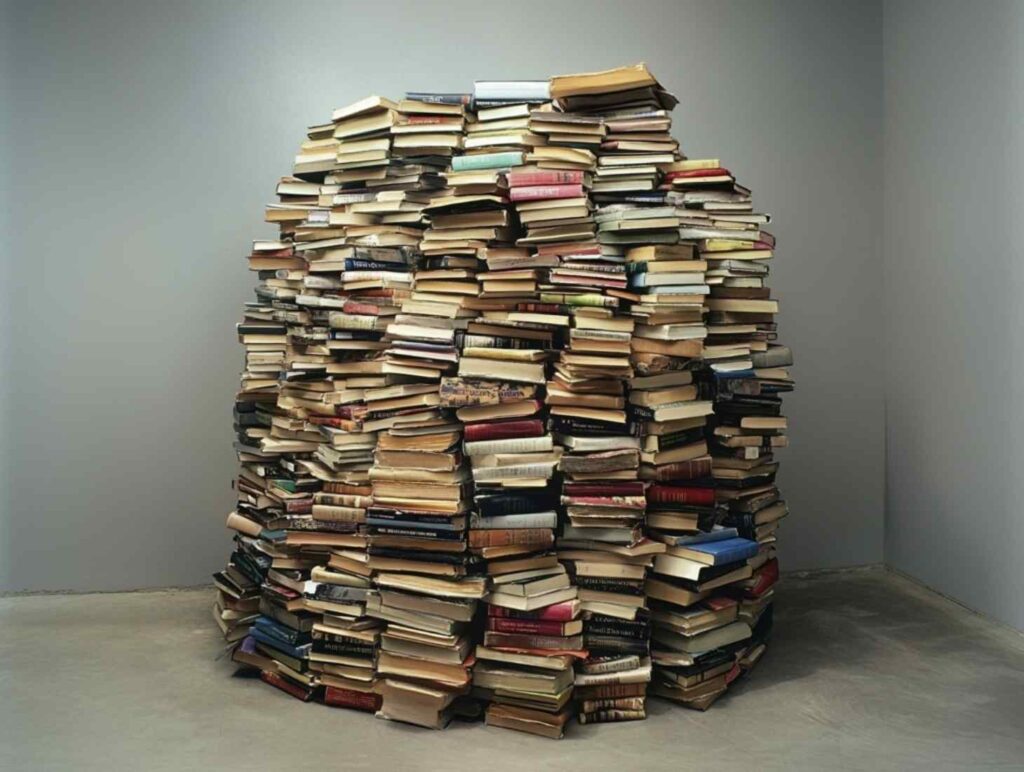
148, 136
954, 157
866, 671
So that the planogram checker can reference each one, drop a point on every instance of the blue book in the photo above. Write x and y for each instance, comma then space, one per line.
715, 553
718, 533
299, 652
281, 632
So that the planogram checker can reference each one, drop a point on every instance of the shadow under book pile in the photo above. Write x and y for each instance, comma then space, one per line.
507, 423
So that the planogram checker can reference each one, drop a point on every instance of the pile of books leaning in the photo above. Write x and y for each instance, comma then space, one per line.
508, 417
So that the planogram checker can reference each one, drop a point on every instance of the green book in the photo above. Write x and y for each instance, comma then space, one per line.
463, 163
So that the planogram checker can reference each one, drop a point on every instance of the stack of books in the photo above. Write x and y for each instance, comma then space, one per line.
603, 539
508, 416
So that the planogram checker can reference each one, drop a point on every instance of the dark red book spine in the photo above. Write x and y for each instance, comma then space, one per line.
551, 177
285, 685
604, 489
526, 626
560, 612
298, 506
668, 494
362, 309
764, 579
504, 430
350, 698
539, 308
683, 470
539, 192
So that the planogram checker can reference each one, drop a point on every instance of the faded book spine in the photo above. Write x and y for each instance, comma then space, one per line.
622, 703
526, 626
510, 536
350, 698
606, 716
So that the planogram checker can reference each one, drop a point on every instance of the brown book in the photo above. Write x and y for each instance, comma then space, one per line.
522, 719
498, 537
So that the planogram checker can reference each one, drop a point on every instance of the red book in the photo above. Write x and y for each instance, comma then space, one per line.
527, 626
541, 192
719, 602
669, 494
350, 698
719, 172
733, 674
681, 470
544, 177
363, 309
298, 506
764, 579
605, 489
560, 612
539, 308
282, 683
504, 430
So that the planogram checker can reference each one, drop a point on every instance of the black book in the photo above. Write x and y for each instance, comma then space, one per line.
585, 427
449, 558
605, 644
605, 584
339, 593
496, 504
417, 531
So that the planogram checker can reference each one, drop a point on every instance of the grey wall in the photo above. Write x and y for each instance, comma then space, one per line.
954, 275
148, 136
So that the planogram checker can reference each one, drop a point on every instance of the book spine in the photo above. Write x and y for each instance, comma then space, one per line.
508, 445
528, 641
526, 626
282, 683
525, 520
541, 192
549, 177
439, 99
621, 703
683, 470
611, 665
503, 430
610, 691
665, 494
510, 536
558, 612
608, 716
480, 161
342, 649
350, 698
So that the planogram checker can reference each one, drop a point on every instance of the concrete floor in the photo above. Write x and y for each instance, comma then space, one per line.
866, 671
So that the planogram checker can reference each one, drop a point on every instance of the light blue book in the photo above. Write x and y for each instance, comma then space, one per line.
463, 163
